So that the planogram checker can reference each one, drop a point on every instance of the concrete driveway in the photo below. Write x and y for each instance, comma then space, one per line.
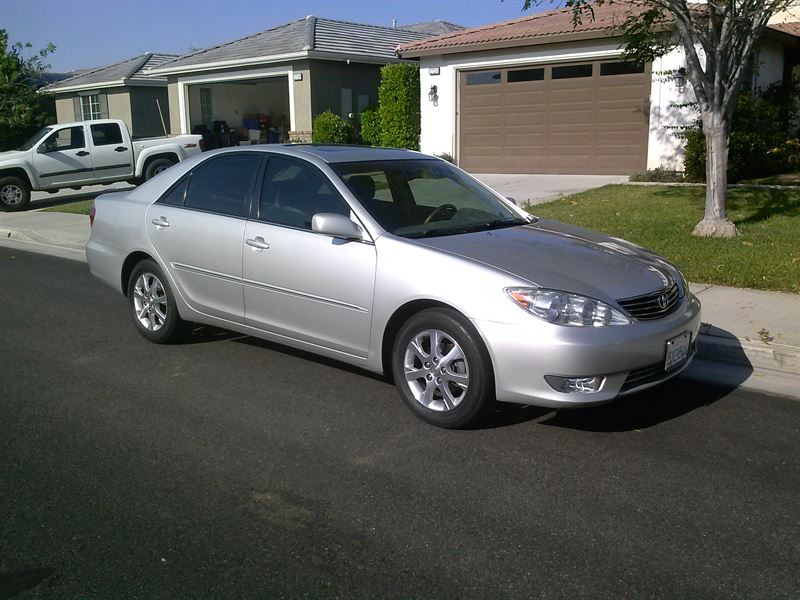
538, 189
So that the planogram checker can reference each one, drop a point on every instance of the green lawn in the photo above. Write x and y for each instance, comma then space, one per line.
79, 208
766, 255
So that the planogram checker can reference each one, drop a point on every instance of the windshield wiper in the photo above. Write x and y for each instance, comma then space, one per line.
483, 226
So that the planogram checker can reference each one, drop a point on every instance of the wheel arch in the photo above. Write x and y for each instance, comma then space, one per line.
399, 317
17, 172
130, 262
169, 155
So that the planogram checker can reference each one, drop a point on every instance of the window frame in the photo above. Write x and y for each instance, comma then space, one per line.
255, 209
92, 127
55, 132
93, 101
254, 179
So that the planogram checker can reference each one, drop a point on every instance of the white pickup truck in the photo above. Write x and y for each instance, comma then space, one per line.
86, 153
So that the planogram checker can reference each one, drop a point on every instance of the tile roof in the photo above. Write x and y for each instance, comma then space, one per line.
543, 27
792, 28
539, 27
311, 34
124, 72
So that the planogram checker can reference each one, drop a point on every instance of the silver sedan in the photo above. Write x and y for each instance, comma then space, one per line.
399, 263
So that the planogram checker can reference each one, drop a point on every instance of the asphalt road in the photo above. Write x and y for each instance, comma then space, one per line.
228, 467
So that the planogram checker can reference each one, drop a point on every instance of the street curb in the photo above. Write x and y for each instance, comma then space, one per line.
27, 235
758, 355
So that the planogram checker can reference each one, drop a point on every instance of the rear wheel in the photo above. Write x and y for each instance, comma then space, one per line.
15, 194
152, 305
156, 166
442, 369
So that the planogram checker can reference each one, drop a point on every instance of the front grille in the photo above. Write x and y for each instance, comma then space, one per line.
652, 306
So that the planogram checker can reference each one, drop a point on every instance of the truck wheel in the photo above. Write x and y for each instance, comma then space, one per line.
154, 167
15, 194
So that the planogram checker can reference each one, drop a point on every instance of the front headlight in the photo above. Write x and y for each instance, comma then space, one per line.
563, 308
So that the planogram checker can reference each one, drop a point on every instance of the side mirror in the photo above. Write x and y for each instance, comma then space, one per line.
42, 149
335, 225
512, 200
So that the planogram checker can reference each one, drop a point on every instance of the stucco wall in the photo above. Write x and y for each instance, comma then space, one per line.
119, 105
174, 105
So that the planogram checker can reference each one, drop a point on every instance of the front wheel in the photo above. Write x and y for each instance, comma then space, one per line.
15, 194
152, 304
442, 369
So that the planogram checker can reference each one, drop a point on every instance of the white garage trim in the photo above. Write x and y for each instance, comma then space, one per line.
185, 82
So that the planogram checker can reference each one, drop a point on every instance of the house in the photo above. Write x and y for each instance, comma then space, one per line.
118, 91
281, 78
539, 94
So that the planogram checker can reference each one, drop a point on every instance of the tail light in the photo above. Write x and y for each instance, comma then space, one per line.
91, 215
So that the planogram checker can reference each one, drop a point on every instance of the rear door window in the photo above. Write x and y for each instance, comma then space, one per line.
105, 134
222, 185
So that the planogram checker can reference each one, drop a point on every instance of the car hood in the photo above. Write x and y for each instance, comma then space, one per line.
9, 154
562, 257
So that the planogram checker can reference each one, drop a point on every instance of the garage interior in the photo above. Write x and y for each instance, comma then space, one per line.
571, 118
251, 111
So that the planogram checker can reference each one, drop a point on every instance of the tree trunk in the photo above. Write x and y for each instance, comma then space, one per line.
715, 222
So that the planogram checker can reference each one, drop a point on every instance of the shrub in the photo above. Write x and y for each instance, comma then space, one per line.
370, 127
329, 128
762, 121
786, 156
398, 106
446, 156
659, 174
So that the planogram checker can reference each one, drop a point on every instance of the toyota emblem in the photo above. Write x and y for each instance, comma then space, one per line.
662, 301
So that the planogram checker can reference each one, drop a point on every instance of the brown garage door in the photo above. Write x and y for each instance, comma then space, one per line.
582, 118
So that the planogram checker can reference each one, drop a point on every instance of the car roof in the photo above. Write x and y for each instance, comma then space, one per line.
335, 153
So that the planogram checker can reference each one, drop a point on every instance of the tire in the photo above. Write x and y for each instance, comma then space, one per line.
451, 394
15, 194
156, 166
152, 305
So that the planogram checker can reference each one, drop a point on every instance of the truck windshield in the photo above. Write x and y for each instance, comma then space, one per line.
425, 198
35, 139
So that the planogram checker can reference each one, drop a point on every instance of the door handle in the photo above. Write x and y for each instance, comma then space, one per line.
82, 153
160, 222
257, 243
120, 149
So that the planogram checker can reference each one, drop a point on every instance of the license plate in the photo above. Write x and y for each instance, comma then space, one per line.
677, 350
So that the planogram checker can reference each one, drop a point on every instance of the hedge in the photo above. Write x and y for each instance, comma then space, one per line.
398, 106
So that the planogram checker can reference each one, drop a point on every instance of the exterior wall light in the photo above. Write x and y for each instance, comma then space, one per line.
679, 76
433, 95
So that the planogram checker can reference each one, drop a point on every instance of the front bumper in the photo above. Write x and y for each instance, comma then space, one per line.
627, 356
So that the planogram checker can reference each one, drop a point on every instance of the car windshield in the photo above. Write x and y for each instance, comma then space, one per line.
424, 198
35, 139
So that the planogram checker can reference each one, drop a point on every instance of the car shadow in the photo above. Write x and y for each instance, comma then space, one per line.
703, 383
13, 584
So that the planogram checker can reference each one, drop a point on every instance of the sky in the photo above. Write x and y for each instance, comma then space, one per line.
92, 33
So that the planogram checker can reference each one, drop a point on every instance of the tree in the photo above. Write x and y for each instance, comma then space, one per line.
23, 109
719, 38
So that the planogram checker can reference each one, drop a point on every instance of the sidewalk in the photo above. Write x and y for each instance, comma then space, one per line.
751, 336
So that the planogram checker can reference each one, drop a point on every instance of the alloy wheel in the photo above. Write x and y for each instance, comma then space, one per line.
11, 194
436, 370
150, 302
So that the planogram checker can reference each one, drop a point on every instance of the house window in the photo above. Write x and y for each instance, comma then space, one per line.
572, 71
90, 107
206, 108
